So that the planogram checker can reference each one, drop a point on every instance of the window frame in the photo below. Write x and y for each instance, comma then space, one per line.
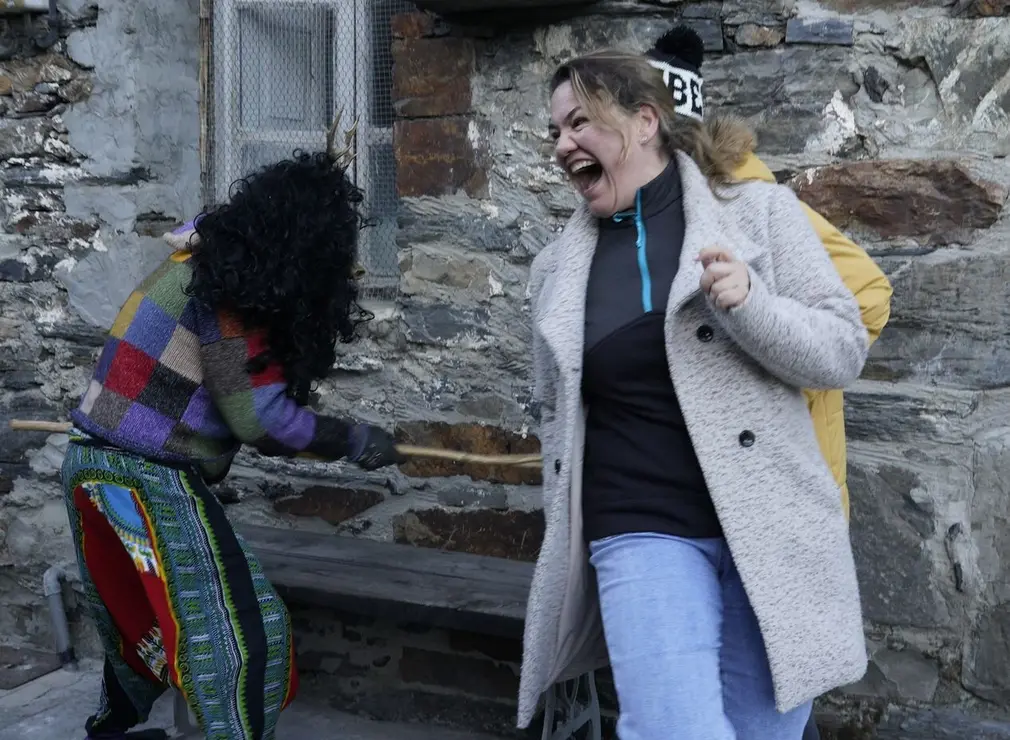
224, 139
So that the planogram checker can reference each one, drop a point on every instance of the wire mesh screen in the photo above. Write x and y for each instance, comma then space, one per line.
280, 70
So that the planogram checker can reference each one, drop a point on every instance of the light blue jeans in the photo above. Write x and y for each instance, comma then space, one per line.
685, 649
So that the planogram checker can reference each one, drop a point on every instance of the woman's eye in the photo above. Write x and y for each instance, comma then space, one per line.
579, 123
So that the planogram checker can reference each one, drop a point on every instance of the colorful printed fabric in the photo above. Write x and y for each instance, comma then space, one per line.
173, 383
178, 598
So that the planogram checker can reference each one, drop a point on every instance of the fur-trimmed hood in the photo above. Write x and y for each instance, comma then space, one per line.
733, 141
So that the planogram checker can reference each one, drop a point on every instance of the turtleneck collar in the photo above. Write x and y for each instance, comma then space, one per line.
653, 197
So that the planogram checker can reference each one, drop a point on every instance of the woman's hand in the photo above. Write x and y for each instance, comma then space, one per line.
726, 280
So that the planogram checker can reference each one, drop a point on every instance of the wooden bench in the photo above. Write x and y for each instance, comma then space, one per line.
402, 582
450, 590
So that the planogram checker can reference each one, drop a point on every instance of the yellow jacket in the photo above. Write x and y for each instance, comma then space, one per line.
873, 291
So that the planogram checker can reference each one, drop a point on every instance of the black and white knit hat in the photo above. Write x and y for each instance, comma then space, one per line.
678, 54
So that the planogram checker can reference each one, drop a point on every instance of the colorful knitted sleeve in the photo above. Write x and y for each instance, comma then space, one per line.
255, 405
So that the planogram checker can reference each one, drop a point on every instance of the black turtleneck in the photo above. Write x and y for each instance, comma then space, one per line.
640, 471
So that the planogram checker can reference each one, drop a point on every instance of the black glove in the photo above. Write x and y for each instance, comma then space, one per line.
372, 448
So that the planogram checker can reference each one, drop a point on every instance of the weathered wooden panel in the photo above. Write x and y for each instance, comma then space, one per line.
402, 582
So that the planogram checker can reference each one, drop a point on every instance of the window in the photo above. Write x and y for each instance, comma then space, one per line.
281, 70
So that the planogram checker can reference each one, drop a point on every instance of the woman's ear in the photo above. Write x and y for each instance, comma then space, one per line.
648, 123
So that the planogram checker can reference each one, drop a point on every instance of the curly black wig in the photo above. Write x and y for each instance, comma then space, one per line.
280, 255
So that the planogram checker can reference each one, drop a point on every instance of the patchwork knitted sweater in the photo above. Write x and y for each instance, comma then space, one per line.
173, 384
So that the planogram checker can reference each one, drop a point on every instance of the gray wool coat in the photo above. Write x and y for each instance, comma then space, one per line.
738, 382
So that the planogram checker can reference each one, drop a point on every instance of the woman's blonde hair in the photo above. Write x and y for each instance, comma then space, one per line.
608, 83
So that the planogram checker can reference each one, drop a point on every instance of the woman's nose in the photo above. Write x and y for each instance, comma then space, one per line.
563, 146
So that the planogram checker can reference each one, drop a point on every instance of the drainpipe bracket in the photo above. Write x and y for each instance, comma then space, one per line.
53, 34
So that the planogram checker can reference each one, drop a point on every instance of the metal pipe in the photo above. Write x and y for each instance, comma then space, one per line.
24, 6
52, 587
53, 31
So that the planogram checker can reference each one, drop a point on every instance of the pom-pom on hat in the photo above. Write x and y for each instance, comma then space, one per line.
678, 54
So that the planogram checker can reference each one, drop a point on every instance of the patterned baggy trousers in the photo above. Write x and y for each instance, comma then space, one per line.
177, 597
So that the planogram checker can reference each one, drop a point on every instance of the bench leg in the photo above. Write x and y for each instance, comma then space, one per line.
182, 719
578, 705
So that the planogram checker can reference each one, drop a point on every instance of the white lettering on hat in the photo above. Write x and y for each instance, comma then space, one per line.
685, 87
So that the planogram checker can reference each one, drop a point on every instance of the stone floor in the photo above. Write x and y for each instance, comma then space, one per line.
55, 706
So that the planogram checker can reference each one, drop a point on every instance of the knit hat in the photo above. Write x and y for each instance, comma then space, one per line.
678, 54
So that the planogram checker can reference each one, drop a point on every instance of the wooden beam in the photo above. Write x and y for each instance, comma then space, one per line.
478, 6
206, 101
399, 582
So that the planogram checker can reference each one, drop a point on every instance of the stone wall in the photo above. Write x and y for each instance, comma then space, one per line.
890, 117
98, 154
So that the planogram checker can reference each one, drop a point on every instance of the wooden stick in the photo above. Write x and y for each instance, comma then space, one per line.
524, 461
470, 457
55, 427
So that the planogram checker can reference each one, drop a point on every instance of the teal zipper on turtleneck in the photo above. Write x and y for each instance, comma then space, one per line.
640, 247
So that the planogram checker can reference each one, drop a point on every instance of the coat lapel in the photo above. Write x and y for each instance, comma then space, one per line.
704, 226
563, 317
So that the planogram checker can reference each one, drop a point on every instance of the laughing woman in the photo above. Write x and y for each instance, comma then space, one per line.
676, 320
215, 349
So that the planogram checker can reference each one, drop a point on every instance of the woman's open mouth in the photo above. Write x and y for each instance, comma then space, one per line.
585, 173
